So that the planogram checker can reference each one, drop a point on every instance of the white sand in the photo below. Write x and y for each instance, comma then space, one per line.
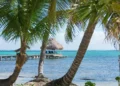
26, 79
97, 83
100, 84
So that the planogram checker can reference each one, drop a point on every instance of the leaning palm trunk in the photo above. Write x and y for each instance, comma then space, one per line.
20, 60
42, 57
51, 22
68, 77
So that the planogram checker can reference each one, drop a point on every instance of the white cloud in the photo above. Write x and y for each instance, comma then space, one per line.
4, 45
97, 42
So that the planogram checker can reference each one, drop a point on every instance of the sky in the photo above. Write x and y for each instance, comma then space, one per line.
97, 42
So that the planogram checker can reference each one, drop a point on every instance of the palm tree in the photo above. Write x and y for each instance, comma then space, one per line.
21, 19
53, 21
112, 30
51, 17
90, 11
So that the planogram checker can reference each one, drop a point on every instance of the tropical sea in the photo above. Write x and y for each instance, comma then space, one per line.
98, 66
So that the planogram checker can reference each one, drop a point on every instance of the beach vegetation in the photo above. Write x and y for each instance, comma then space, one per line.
89, 83
118, 79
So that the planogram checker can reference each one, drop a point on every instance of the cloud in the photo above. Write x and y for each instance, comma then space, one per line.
4, 45
97, 42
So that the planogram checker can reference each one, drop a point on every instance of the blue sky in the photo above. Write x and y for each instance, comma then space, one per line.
97, 42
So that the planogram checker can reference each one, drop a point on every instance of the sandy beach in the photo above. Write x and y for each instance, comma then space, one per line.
83, 84
25, 79
97, 84
100, 84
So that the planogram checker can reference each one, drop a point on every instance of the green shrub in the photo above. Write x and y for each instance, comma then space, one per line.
118, 79
89, 83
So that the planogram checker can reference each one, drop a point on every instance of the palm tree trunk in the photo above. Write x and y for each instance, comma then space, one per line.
68, 77
51, 22
20, 60
42, 57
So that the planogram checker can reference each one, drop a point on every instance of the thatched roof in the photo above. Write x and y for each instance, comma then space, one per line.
54, 45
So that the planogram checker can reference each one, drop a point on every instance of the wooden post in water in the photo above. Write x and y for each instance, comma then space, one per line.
5, 58
10, 58
0, 58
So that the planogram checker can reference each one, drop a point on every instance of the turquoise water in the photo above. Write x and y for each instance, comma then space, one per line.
100, 66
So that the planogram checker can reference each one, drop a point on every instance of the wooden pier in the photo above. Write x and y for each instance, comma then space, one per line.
48, 56
54, 56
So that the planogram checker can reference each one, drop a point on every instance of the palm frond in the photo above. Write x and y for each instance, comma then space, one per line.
10, 33
69, 33
30, 19
112, 30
